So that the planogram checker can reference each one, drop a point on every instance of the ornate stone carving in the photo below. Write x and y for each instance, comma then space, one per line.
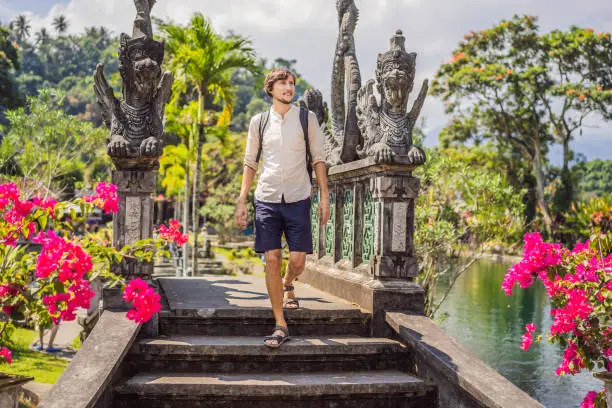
346, 73
387, 127
314, 222
369, 219
330, 227
136, 121
348, 205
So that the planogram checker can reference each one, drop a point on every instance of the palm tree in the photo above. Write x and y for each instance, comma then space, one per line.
21, 27
42, 37
204, 61
60, 23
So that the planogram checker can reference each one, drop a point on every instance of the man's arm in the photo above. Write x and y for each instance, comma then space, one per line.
317, 150
321, 172
248, 174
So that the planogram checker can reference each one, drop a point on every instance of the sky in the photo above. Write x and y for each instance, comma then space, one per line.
306, 30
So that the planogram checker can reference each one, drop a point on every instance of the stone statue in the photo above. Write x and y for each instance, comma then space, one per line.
136, 122
313, 101
345, 72
387, 127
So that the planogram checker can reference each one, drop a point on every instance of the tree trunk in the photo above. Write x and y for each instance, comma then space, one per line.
186, 219
537, 169
195, 210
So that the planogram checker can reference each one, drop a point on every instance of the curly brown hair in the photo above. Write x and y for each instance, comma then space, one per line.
277, 74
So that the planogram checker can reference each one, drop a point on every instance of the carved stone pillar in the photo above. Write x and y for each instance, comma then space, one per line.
134, 220
365, 253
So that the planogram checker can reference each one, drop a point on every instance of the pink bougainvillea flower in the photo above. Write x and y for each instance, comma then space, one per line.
530, 327
144, 299
589, 400
572, 362
527, 339
173, 233
106, 197
6, 354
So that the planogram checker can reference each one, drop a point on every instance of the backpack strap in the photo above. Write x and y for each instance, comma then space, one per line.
304, 122
263, 121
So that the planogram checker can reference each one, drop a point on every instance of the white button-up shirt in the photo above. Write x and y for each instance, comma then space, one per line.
283, 157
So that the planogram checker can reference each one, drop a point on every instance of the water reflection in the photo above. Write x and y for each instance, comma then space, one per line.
491, 324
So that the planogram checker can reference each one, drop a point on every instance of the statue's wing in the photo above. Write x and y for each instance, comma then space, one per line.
366, 105
164, 89
418, 103
105, 96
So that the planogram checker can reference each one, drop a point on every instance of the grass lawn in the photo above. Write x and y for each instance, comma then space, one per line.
43, 367
241, 259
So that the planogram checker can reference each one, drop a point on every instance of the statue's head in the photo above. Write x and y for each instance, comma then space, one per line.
395, 71
140, 63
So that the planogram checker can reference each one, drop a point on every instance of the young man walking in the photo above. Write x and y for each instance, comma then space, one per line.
282, 197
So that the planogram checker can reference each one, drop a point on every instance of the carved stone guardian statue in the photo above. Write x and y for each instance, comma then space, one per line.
136, 122
135, 142
387, 127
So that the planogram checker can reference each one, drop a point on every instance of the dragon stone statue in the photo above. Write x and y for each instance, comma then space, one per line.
345, 74
362, 128
136, 122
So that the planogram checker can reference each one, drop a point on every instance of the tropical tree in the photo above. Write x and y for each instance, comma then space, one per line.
204, 61
21, 27
60, 23
48, 146
463, 209
527, 91
9, 63
42, 37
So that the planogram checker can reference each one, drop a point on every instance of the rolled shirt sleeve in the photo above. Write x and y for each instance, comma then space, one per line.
316, 139
252, 143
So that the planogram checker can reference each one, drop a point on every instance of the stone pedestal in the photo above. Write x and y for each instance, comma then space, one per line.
365, 253
134, 221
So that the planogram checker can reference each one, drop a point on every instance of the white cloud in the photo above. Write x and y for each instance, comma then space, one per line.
306, 30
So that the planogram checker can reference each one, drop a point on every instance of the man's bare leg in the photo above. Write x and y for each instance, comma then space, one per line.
275, 288
297, 260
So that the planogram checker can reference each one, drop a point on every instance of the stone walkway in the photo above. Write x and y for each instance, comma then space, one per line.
239, 292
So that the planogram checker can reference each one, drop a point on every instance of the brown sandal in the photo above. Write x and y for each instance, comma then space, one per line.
277, 337
293, 303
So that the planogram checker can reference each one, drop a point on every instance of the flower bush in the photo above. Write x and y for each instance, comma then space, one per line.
45, 269
579, 284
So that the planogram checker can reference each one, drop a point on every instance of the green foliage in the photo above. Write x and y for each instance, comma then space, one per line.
526, 91
222, 177
48, 146
9, 64
462, 206
594, 176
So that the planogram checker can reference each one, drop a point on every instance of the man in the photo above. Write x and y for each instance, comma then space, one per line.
282, 196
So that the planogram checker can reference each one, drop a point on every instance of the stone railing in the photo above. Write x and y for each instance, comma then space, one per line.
371, 225
365, 253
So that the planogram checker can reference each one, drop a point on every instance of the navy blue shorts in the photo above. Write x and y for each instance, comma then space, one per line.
274, 219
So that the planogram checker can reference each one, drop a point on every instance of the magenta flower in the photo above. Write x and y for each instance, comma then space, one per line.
106, 197
6, 354
173, 233
144, 299
526, 341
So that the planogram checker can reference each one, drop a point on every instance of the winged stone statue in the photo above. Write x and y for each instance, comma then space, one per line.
136, 121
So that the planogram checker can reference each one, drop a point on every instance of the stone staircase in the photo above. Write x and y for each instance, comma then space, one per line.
209, 353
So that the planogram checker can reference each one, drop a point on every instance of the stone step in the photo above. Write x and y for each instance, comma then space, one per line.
259, 321
363, 389
233, 354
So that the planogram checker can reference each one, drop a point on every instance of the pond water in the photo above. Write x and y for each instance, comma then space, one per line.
490, 324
